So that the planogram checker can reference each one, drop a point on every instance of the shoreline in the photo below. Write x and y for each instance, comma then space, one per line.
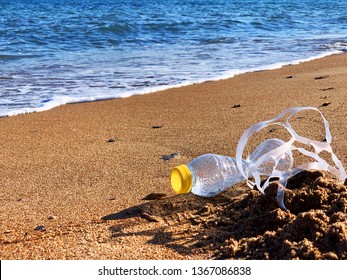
53, 103
68, 192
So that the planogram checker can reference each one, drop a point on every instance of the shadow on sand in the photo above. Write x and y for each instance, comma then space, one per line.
244, 224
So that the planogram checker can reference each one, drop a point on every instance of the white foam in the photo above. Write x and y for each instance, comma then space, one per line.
88, 94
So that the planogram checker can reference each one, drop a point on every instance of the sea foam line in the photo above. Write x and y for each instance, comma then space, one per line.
63, 99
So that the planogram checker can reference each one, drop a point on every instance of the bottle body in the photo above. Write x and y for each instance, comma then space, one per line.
210, 174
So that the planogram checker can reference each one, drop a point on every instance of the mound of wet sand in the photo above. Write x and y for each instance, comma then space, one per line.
245, 224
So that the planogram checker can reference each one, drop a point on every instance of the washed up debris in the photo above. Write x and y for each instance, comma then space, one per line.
236, 106
276, 155
157, 126
272, 159
111, 140
290, 77
171, 156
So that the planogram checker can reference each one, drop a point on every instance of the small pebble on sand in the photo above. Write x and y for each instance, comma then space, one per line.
321, 77
40, 228
171, 156
325, 104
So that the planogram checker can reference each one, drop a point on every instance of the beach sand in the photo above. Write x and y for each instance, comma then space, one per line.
75, 180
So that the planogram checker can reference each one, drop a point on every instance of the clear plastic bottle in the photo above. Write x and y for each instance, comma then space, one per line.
210, 174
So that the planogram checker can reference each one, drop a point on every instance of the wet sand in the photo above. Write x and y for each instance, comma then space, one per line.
75, 180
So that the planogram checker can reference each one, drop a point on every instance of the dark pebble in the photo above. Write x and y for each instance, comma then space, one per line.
40, 228
290, 77
236, 106
111, 140
325, 104
166, 157
321, 77
171, 156
157, 126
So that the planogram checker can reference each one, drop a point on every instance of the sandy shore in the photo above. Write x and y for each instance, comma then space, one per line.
74, 179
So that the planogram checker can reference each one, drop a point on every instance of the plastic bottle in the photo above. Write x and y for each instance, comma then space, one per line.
210, 174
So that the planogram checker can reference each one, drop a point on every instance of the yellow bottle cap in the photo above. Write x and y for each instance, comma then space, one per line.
181, 179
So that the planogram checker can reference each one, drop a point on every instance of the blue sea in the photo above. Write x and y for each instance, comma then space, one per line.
56, 52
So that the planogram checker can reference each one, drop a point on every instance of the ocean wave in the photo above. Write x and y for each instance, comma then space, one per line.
52, 54
137, 88
15, 56
341, 46
117, 28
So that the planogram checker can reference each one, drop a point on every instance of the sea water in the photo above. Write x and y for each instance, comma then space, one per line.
54, 52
